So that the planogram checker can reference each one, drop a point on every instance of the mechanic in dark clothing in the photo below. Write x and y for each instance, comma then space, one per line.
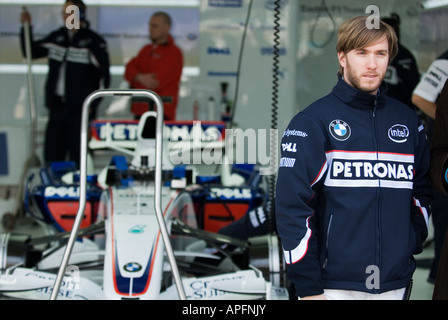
425, 96
78, 65
402, 74
439, 178
353, 188
402, 78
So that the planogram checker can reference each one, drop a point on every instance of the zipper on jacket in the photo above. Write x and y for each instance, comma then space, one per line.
328, 236
375, 106
377, 257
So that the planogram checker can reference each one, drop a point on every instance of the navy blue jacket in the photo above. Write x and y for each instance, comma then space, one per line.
86, 58
353, 193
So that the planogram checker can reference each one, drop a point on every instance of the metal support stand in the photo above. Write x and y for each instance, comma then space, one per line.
83, 183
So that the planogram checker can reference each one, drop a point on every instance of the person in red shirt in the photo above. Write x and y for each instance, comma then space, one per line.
157, 67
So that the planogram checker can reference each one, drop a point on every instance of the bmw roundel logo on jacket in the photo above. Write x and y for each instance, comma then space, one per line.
340, 130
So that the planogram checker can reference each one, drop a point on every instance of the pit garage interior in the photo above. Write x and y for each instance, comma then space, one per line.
228, 49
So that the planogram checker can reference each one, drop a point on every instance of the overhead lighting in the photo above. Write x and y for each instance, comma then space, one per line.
431, 4
43, 69
160, 3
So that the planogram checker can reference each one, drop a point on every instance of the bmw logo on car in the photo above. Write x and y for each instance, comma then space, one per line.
340, 130
132, 267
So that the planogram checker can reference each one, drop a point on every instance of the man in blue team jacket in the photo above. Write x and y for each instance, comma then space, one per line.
353, 192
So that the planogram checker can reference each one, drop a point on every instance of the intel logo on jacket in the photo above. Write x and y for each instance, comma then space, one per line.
399, 133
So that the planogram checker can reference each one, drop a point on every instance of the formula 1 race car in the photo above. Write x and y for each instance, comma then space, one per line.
142, 228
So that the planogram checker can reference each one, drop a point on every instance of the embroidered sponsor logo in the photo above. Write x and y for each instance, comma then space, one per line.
78, 55
287, 162
56, 52
257, 217
340, 130
398, 133
289, 146
370, 169
296, 133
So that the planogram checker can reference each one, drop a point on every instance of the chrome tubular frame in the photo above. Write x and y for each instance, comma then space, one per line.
83, 183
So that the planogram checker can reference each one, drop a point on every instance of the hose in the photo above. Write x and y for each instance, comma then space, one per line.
240, 58
313, 29
274, 114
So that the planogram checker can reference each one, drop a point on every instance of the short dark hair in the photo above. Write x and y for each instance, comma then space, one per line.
165, 16
79, 3
81, 6
394, 21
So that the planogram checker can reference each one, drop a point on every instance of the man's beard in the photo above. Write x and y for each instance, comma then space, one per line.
356, 80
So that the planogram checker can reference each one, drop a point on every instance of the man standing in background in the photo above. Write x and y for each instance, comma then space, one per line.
425, 97
402, 74
78, 64
157, 67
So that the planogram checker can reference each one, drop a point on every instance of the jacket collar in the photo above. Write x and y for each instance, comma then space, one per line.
169, 41
357, 98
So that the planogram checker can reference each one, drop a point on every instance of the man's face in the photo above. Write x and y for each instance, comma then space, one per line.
158, 29
365, 68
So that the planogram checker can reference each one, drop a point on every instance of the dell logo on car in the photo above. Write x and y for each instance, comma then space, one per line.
219, 51
399, 133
